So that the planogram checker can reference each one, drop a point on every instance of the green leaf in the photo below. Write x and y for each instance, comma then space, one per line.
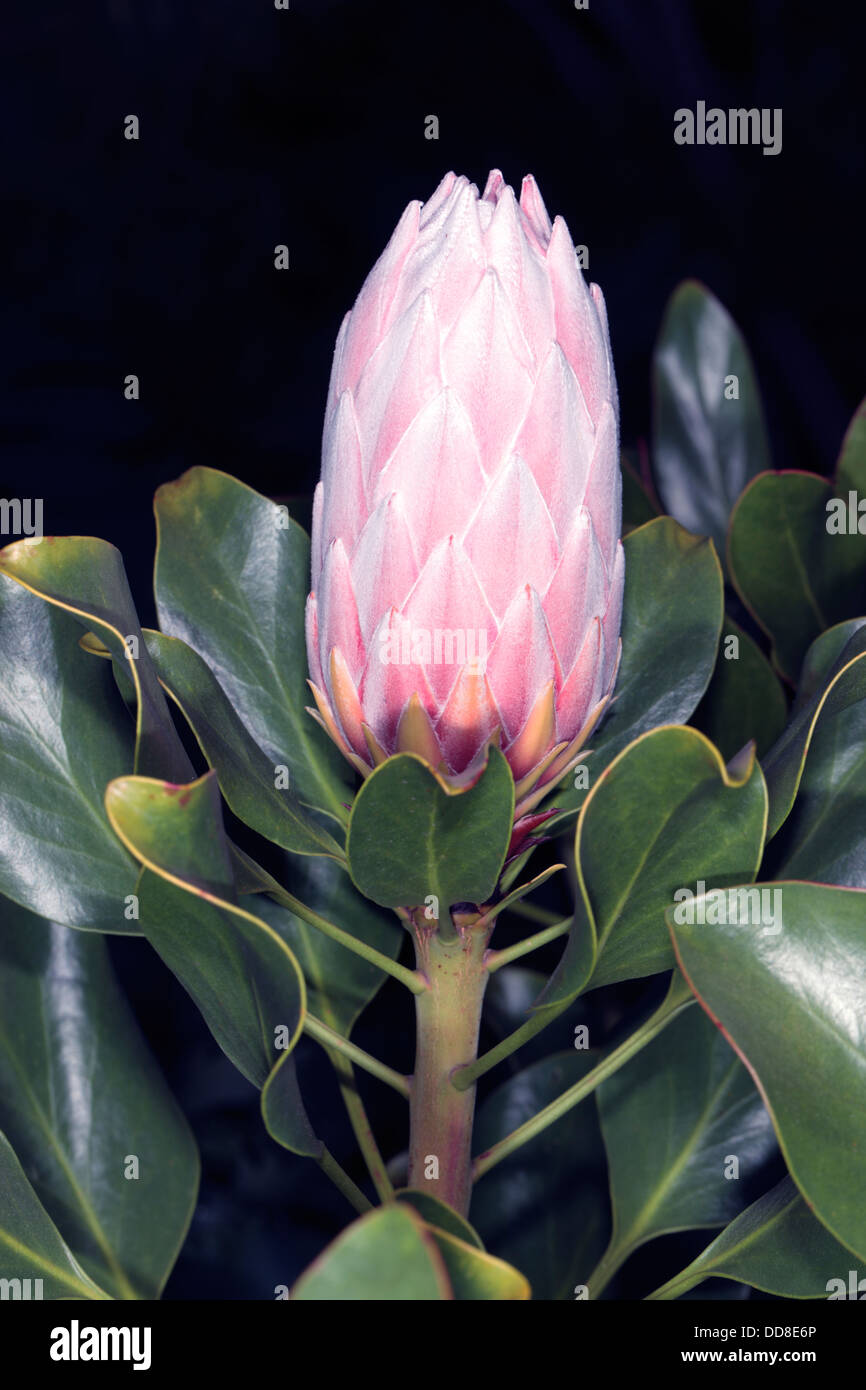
80, 1096
673, 607
838, 685
666, 814
85, 577
63, 737
775, 1245
795, 575
476, 1275
239, 972
544, 1208
789, 997
706, 446
694, 1107
745, 699
389, 1254
31, 1247
232, 576
339, 983
438, 1214
412, 836
246, 775
824, 836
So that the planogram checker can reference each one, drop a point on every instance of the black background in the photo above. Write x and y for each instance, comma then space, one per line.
306, 127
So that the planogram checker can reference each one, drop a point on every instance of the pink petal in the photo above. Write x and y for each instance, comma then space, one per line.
522, 661
337, 384
400, 377
486, 358
344, 502
577, 324
511, 539
370, 314
582, 686
613, 616
534, 211
383, 564
521, 273
601, 310
493, 187
338, 614
468, 719
451, 263
436, 468
557, 439
578, 591
604, 488
311, 627
437, 198
391, 678
346, 705
448, 604
316, 546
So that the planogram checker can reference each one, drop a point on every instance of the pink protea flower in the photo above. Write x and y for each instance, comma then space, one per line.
467, 570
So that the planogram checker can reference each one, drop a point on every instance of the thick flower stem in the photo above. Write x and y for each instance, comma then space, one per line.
448, 1016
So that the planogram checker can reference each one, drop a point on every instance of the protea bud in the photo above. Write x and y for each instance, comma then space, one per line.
467, 571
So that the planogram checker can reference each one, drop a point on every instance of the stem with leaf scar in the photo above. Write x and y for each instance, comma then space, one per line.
448, 1020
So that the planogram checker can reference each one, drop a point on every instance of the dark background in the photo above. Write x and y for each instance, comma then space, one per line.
306, 127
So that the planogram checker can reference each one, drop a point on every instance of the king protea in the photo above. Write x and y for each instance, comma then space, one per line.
467, 571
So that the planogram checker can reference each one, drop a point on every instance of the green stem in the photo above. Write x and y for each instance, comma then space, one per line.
534, 914
467, 1076
496, 959
330, 1039
341, 1179
410, 978
679, 997
612, 1260
681, 1283
448, 1018
361, 1125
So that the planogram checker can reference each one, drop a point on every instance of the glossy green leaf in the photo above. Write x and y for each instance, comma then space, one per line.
775, 1245
81, 1100
85, 577
389, 1254
440, 1215
339, 983
410, 837
833, 711
673, 606
232, 577
247, 777
665, 815
797, 550
31, 1247
63, 736
476, 1275
709, 435
789, 995
544, 1208
240, 973
673, 1119
745, 699
392, 1254
851, 464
